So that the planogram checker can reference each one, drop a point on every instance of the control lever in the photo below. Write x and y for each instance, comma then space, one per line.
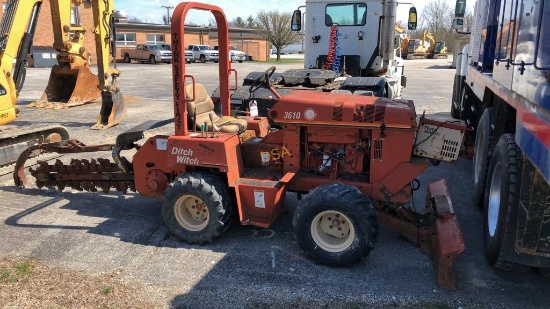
211, 123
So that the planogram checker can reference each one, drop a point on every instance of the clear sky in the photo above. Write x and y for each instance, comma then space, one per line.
151, 11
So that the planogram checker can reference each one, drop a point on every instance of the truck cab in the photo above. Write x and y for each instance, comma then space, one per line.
204, 53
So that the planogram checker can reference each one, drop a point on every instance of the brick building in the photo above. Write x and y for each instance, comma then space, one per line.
129, 34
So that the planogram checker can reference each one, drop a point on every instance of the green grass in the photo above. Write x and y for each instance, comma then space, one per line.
107, 290
19, 271
286, 60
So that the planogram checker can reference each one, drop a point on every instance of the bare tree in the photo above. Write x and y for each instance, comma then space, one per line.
438, 16
274, 26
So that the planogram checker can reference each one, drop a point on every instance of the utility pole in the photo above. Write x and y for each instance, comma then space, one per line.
167, 13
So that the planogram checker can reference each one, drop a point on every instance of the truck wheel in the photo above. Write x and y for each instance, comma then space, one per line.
152, 59
335, 224
127, 58
240, 61
197, 208
202, 59
503, 184
484, 136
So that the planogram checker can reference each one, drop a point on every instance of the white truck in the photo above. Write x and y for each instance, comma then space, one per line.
204, 53
151, 53
234, 54
348, 47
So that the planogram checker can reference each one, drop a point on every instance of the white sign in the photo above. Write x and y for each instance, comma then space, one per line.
259, 199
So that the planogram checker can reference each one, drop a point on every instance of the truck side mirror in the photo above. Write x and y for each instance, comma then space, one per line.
412, 19
458, 23
460, 8
296, 23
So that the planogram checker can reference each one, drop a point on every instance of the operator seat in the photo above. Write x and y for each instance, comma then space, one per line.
200, 109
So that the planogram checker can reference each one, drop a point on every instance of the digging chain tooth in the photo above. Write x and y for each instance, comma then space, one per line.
93, 165
60, 186
121, 186
106, 186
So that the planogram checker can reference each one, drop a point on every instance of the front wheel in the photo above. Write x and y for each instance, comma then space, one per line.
152, 60
500, 196
127, 58
336, 224
197, 208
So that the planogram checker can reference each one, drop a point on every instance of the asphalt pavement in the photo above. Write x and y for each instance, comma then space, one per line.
247, 267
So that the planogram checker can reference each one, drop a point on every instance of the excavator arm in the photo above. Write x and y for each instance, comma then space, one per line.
15, 43
71, 81
113, 109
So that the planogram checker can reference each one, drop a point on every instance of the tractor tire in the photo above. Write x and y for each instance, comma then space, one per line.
202, 59
197, 208
482, 154
152, 60
502, 186
336, 225
127, 58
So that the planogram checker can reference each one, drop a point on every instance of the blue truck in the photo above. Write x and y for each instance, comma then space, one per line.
502, 90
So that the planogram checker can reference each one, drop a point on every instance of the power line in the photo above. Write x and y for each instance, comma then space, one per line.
167, 12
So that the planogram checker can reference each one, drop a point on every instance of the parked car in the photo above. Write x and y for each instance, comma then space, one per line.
234, 54
165, 46
151, 53
204, 53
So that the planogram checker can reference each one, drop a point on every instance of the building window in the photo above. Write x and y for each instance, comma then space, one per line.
125, 39
154, 38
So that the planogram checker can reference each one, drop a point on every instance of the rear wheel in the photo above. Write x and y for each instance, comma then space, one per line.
152, 59
503, 184
127, 58
484, 136
335, 224
197, 208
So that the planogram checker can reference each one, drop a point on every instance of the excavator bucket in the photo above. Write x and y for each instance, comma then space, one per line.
113, 110
69, 86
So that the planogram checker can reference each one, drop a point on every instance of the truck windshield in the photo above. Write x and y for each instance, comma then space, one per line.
205, 48
154, 47
347, 14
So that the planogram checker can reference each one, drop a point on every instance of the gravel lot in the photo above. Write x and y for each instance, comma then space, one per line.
247, 267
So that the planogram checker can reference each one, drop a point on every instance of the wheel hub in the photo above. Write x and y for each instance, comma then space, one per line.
332, 231
494, 200
191, 212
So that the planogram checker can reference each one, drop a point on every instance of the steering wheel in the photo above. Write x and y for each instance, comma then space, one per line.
262, 80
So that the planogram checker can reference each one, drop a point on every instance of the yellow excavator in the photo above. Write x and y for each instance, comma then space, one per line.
71, 82
427, 47
402, 40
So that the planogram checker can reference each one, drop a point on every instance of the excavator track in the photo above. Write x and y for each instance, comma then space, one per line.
15, 139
